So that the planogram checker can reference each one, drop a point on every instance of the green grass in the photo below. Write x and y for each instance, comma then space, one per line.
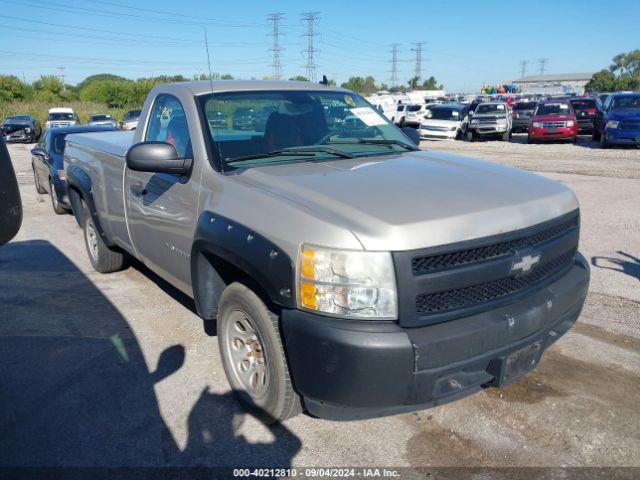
39, 109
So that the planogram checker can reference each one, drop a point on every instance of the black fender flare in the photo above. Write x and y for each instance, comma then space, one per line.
254, 255
79, 179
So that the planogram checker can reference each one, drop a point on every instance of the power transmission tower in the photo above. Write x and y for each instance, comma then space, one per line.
62, 78
523, 67
417, 73
311, 18
394, 64
543, 63
274, 19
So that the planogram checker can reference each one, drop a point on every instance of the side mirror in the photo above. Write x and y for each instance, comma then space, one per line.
412, 134
38, 151
157, 157
10, 204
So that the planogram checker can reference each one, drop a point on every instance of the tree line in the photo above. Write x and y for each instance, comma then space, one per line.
622, 74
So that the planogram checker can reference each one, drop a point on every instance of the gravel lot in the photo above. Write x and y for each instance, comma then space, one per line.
82, 382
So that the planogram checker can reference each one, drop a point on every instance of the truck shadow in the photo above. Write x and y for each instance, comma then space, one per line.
625, 263
75, 389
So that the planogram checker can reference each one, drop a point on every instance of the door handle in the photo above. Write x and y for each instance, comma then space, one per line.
138, 190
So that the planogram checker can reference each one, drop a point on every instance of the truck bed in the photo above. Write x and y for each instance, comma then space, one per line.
114, 143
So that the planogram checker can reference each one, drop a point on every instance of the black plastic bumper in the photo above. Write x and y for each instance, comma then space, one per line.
357, 369
60, 187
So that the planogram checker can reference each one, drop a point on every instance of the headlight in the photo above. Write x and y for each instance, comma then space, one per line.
453, 128
502, 120
61, 175
570, 123
27, 130
347, 283
474, 122
537, 124
612, 124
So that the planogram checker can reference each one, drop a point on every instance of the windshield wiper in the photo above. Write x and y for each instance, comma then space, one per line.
291, 152
375, 141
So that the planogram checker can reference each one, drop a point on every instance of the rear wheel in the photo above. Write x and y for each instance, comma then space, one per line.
39, 188
59, 209
103, 259
252, 354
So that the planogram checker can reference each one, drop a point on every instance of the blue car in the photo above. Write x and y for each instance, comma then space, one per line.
48, 166
618, 123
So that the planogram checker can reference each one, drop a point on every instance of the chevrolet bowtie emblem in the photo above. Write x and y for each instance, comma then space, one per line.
525, 263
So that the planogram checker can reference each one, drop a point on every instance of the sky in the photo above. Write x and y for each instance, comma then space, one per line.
466, 43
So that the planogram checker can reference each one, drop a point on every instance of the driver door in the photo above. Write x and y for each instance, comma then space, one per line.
161, 207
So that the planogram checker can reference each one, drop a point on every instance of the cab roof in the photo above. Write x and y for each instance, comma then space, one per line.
204, 87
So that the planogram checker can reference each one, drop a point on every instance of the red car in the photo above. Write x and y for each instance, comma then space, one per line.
553, 120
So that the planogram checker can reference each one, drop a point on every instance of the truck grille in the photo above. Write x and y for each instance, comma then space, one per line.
630, 125
446, 282
554, 124
422, 265
483, 292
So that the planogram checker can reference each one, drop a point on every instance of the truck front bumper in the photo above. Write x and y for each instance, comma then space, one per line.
617, 136
359, 369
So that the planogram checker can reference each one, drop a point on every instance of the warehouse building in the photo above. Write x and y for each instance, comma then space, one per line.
566, 83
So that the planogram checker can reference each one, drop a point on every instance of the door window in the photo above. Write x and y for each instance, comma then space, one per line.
169, 124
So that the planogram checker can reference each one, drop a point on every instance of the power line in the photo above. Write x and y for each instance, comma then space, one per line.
274, 19
311, 18
543, 63
394, 64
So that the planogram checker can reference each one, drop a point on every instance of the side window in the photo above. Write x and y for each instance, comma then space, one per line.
168, 124
607, 102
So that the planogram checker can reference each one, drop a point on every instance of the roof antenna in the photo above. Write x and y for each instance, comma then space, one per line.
206, 43
324, 80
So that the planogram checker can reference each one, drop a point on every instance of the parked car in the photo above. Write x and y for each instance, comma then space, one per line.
585, 109
553, 120
522, 112
130, 120
217, 120
21, 128
398, 116
347, 271
102, 119
243, 119
48, 166
61, 117
490, 119
619, 121
10, 202
444, 121
414, 113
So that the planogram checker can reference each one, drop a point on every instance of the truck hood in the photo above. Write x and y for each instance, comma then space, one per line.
630, 114
416, 199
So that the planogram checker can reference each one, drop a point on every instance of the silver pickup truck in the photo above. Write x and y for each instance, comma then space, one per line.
350, 273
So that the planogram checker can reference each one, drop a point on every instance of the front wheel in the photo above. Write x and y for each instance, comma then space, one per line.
595, 136
39, 188
252, 354
603, 141
470, 136
506, 136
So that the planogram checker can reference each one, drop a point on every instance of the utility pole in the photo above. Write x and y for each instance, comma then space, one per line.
64, 89
543, 63
417, 73
523, 67
394, 64
274, 19
311, 18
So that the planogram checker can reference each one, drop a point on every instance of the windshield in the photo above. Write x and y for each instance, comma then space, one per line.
259, 123
621, 103
553, 109
60, 116
414, 108
443, 114
524, 106
491, 108
99, 118
131, 114
586, 104
17, 119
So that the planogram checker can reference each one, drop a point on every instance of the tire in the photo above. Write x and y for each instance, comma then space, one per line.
471, 137
57, 208
252, 354
595, 136
603, 141
529, 139
103, 259
505, 136
39, 188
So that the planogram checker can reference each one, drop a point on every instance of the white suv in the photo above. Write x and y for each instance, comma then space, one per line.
61, 117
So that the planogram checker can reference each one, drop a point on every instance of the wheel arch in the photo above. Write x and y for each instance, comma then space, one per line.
225, 251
